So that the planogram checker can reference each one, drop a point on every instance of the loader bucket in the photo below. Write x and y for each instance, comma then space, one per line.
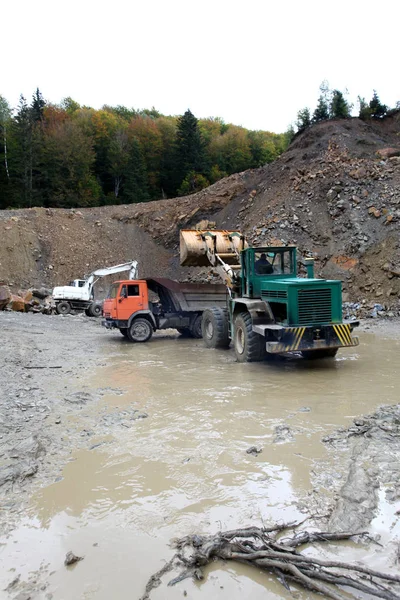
195, 244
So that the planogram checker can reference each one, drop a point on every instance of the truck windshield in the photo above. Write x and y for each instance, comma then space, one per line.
112, 292
276, 262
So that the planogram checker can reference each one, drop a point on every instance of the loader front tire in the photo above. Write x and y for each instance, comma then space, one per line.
249, 346
140, 330
214, 328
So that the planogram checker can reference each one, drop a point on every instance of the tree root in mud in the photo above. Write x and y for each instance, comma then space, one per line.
260, 547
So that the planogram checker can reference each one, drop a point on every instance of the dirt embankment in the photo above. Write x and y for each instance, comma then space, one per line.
335, 193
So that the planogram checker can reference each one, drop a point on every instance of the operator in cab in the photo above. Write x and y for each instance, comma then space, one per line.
263, 266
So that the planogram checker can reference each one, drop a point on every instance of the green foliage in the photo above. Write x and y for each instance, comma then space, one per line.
321, 113
365, 111
378, 110
303, 119
193, 182
189, 147
339, 107
69, 105
216, 174
135, 187
37, 106
70, 155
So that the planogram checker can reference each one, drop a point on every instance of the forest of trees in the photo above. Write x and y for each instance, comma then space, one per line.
332, 104
71, 156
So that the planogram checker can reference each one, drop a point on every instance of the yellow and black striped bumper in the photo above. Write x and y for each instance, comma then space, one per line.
295, 339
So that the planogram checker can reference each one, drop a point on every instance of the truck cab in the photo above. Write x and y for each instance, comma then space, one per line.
126, 298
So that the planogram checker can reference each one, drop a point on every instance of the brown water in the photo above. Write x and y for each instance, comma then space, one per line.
185, 469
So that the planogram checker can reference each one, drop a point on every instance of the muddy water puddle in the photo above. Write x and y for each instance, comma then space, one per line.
184, 468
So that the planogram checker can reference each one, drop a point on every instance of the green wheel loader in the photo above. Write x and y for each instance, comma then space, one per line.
269, 310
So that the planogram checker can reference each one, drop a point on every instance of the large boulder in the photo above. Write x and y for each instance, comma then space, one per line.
388, 152
5, 296
17, 303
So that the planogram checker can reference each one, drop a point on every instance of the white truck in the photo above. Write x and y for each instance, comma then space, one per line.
79, 294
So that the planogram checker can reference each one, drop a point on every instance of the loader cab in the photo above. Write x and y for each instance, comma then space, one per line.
261, 266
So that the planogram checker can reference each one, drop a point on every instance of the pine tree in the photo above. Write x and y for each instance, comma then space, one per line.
189, 148
135, 186
303, 119
23, 158
377, 109
321, 113
339, 108
365, 111
37, 106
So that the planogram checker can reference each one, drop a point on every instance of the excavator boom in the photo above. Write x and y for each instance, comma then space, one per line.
131, 266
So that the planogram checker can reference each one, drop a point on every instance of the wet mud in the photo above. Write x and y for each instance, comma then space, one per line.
109, 450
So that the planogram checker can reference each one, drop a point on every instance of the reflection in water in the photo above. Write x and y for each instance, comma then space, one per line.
185, 468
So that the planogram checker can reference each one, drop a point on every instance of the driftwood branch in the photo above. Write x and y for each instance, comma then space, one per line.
261, 547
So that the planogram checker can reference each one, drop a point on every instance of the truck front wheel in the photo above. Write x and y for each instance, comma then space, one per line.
140, 330
63, 308
249, 346
214, 328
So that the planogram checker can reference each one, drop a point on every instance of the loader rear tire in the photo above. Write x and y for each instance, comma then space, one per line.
124, 332
324, 353
249, 346
214, 327
63, 308
140, 330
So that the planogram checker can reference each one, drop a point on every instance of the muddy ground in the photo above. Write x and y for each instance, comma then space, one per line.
49, 369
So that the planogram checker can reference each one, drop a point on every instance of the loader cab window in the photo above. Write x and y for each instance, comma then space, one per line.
277, 262
81, 283
132, 289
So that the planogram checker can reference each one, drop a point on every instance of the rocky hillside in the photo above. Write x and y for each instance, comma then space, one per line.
334, 193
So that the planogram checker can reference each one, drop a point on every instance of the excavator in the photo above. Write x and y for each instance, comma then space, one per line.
79, 294
270, 310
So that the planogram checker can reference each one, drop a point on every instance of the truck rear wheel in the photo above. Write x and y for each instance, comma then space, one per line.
323, 353
195, 327
140, 330
63, 308
249, 346
214, 327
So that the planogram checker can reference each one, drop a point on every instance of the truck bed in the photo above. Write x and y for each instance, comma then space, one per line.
188, 297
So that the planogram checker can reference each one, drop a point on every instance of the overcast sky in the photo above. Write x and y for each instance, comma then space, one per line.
252, 62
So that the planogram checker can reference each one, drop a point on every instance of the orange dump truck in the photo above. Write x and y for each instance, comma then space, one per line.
129, 308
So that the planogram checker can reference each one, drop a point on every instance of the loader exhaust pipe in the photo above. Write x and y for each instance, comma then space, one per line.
309, 264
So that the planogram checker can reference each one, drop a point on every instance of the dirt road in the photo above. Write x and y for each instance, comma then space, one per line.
111, 449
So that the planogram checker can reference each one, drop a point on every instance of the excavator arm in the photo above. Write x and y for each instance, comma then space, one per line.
131, 266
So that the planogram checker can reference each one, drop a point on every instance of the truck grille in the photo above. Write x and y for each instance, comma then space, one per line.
315, 306
274, 293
